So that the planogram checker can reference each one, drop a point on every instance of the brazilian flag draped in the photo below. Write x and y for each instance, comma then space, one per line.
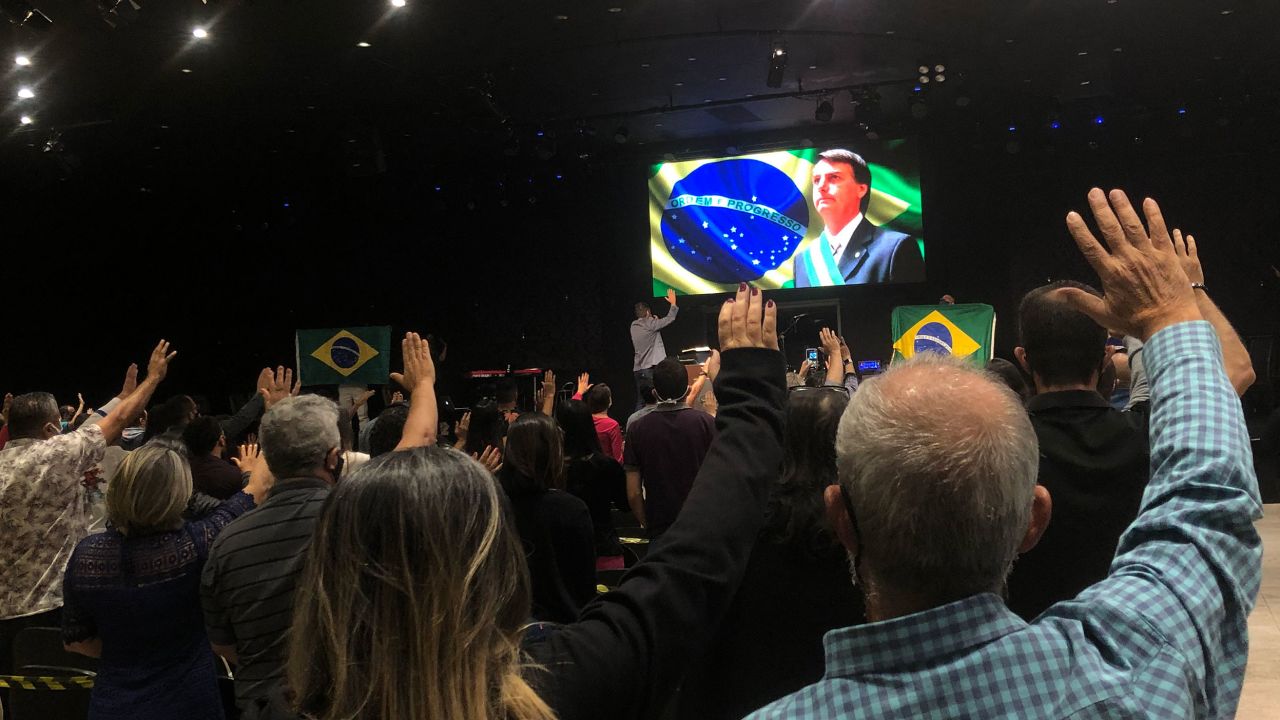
717, 222
965, 331
337, 356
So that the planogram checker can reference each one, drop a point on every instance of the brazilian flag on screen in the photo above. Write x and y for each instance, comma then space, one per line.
338, 356
966, 331
716, 222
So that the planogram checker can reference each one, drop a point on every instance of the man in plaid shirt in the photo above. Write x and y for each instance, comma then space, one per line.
937, 496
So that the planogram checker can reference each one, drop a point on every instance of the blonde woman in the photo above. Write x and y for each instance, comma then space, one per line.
132, 593
415, 599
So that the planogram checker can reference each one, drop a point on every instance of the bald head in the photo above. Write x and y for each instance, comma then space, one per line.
939, 462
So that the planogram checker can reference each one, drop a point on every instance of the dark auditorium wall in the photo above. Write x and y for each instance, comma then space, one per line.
212, 259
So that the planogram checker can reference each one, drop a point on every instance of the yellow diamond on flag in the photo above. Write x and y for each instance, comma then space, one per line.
345, 353
935, 333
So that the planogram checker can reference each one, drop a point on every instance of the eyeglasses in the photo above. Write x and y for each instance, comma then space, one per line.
819, 388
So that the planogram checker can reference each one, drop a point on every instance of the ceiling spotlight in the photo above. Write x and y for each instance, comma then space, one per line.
22, 14
777, 64
923, 79
186, 70
22, 60
940, 78
26, 93
923, 69
398, 3
940, 68
824, 111
26, 120
363, 44
615, 9
621, 135
199, 33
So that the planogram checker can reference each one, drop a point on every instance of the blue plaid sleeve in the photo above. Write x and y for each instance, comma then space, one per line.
1189, 566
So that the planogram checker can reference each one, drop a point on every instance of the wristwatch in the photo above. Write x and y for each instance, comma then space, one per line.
1199, 286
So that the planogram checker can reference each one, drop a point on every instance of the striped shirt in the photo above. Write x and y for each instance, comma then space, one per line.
1163, 636
248, 582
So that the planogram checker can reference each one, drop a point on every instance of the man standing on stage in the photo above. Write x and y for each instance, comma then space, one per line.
852, 251
646, 336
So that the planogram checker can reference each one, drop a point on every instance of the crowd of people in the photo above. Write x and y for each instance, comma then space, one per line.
1065, 535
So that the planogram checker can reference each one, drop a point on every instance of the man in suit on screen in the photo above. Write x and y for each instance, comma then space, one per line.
852, 251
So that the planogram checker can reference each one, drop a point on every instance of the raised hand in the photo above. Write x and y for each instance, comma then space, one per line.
845, 355
264, 380
158, 365
830, 344
491, 459
547, 393
250, 456
418, 366
805, 367
463, 426
130, 381
691, 398
584, 383
360, 400
747, 321
713, 365
1144, 285
671, 297
1185, 249
280, 386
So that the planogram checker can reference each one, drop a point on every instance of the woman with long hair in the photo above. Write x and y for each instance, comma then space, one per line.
132, 593
597, 479
415, 597
796, 587
554, 526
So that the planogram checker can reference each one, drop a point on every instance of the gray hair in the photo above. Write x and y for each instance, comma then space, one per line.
940, 464
297, 433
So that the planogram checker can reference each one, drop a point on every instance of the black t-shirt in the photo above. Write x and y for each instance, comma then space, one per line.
1095, 462
599, 481
555, 529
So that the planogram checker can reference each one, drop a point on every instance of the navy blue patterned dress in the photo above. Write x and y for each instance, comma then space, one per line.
141, 596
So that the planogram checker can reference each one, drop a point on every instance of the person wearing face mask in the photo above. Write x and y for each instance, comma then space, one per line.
247, 588
664, 451
248, 581
42, 499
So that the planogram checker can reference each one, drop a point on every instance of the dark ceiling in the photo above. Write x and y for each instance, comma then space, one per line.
440, 77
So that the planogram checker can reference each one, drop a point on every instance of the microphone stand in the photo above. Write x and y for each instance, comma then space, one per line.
782, 338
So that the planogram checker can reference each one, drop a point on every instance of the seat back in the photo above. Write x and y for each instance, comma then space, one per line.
38, 651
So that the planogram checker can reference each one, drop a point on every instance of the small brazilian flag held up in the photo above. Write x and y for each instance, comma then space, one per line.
965, 331
338, 356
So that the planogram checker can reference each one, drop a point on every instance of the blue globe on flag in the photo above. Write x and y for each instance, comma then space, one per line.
934, 337
734, 220
344, 352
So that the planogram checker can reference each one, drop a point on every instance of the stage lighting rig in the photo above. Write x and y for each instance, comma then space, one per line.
118, 13
931, 73
777, 64
22, 14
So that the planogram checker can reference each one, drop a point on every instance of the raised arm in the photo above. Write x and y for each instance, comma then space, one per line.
630, 647
122, 414
419, 378
831, 348
1235, 357
1187, 571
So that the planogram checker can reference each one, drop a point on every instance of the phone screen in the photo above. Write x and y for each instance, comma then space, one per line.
813, 354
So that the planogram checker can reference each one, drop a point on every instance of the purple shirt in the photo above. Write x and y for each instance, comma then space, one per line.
667, 447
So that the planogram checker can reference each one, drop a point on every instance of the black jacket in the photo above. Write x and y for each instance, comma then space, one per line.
629, 648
